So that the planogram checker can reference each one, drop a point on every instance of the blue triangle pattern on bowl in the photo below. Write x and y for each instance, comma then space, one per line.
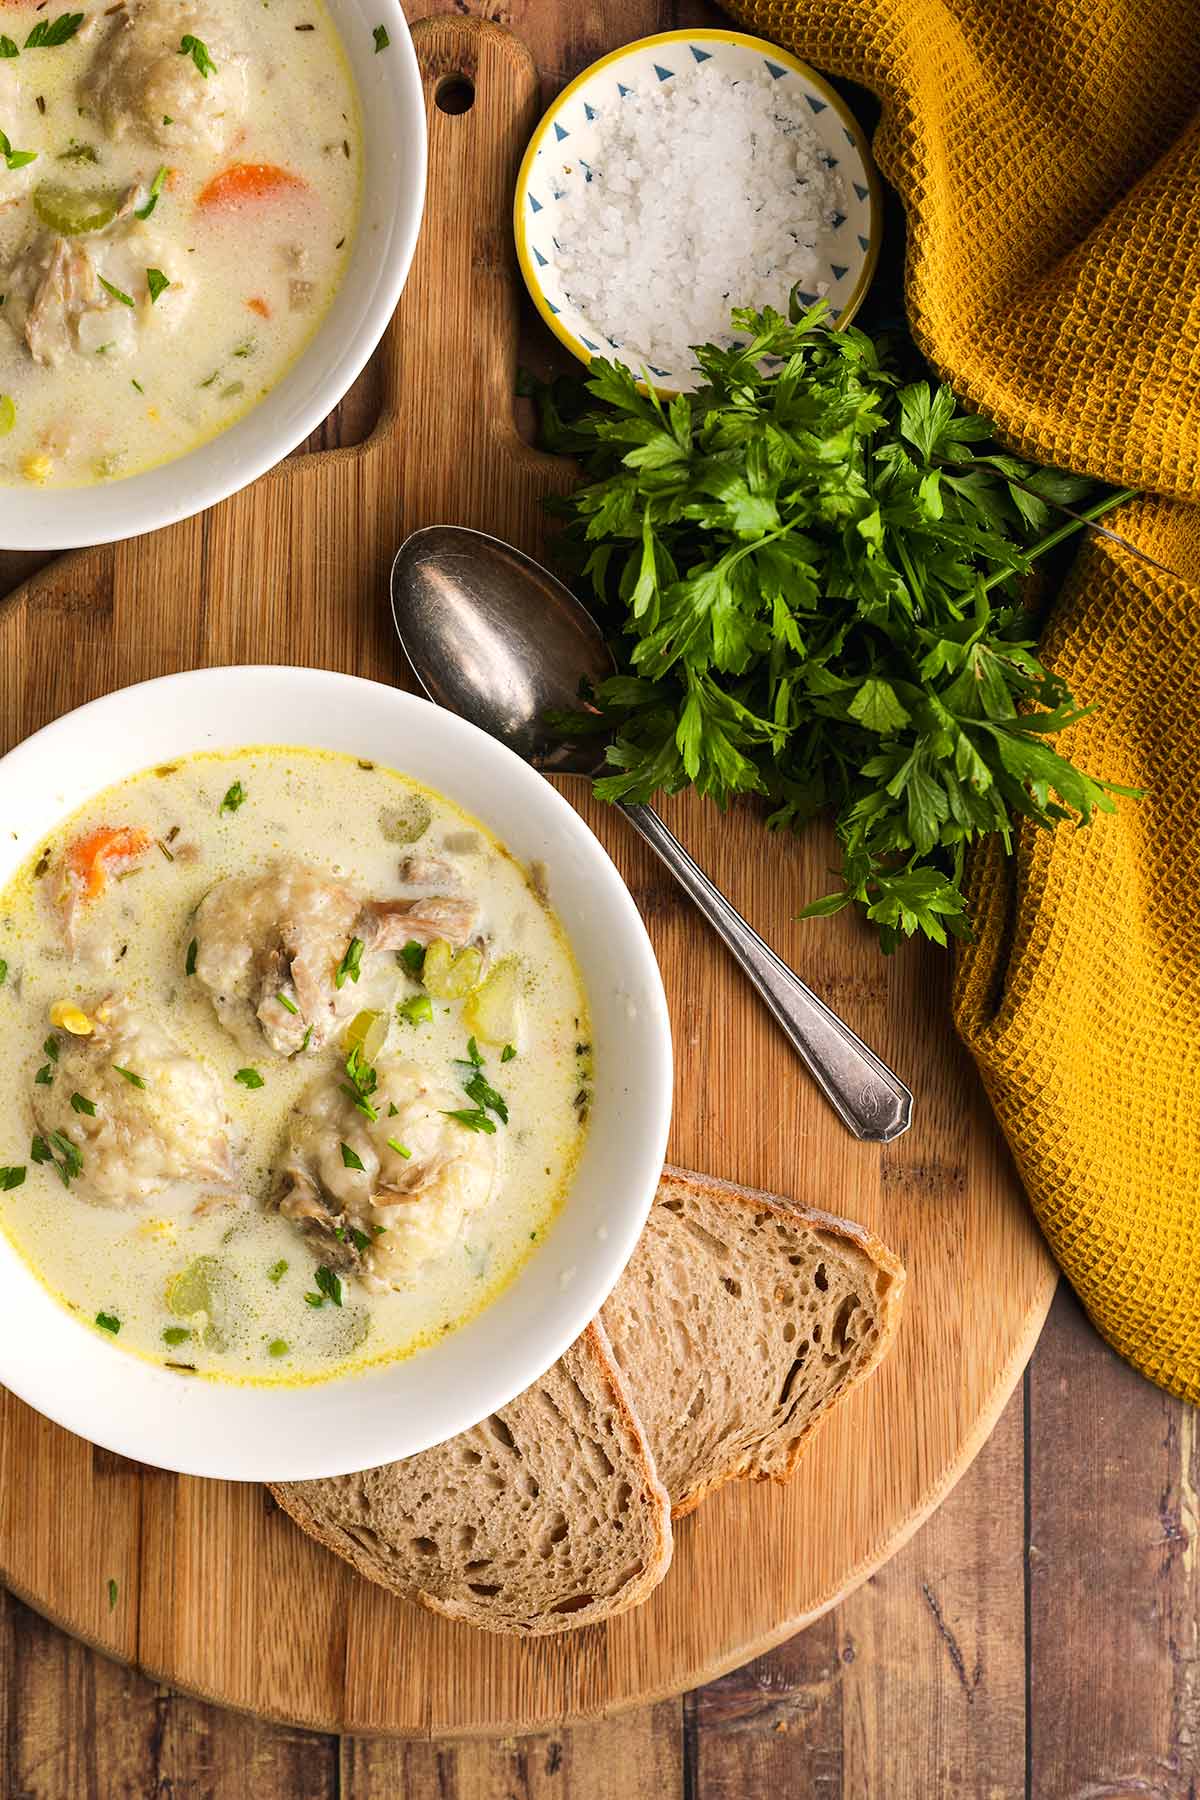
542, 261
588, 342
863, 243
589, 112
859, 190
837, 219
818, 106
775, 69
623, 90
806, 299
663, 74
534, 205
838, 271
554, 309
849, 137
700, 56
559, 133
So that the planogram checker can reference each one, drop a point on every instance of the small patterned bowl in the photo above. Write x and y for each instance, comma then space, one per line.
558, 156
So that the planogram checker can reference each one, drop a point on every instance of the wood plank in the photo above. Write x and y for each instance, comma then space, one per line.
915, 1685
80, 1724
636, 1757
1114, 1584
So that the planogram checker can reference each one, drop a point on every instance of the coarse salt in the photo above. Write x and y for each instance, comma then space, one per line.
703, 193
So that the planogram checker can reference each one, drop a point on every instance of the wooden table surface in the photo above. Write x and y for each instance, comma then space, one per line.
1040, 1637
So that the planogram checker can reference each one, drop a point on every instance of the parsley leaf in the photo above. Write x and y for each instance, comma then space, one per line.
48, 35
11, 1177
416, 1010
350, 967
350, 1158
156, 188
15, 159
473, 1118
116, 292
382, 40
329, 1285
197, 49
156, 283
249, 1078
133, 1080
108, 1322
412, 958
234, 797
189, 966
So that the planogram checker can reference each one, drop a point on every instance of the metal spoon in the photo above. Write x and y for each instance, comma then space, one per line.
493, 636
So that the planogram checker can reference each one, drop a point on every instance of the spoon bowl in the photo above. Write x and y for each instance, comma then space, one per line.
494, 637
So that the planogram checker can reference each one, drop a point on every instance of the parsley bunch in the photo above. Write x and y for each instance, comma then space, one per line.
809, 571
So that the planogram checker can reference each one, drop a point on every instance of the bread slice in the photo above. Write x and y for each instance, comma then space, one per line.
546, 1516
739, 1323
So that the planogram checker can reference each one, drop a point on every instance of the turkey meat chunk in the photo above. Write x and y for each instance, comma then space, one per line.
168, 1125
269, 949
143, 83
57, 304
384, 1220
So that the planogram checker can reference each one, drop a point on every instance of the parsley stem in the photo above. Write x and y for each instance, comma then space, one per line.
1068, 529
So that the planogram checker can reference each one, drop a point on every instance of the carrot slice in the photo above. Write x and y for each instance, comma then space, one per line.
247, 183
259, 306
91, 859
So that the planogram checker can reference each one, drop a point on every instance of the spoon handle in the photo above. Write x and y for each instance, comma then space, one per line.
871, 1101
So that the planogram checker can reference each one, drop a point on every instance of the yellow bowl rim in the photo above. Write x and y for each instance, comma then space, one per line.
704, 34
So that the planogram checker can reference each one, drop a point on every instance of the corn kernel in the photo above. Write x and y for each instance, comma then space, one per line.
37, 466
66, 1017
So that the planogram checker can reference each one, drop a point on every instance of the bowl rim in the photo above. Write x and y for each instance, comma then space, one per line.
231, 474
703, 34
397, 1434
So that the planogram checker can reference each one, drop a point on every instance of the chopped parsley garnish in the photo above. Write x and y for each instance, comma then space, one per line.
412, 958
156, 283
45, 1076
116, 292
350, 1158
3, 971
416, 1011
8, 48
307, 1039
176, 1334
288, 1005
277, 1271
156, 187
350, 967
249, 1078
39, 1151
393, 1109
49, 34
15, 159
329, 1286
382, 40
235, 796
81, 1104
507, 1054
113, 1591
477, 1085
135, 383
130, 1077
361, 1084
277, 1347
189, 966
62, 1153
359, 1239
474, 1118
11, 1176
108, 1322
197, 49
50, 1048
400, 1149
480, 1089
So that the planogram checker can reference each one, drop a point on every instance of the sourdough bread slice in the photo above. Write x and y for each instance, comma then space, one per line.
546, 1516
739, 1323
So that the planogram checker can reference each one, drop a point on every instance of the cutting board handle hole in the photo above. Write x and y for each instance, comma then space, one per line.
455, 94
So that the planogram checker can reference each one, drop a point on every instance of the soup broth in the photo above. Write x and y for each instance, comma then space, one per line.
298, 1065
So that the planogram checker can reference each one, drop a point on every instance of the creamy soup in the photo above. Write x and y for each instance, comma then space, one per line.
178, 197
297, 1065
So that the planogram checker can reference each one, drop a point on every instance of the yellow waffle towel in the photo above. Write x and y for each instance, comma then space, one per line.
1047, 153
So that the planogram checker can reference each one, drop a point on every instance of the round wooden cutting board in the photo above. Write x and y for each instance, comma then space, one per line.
216, 1591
